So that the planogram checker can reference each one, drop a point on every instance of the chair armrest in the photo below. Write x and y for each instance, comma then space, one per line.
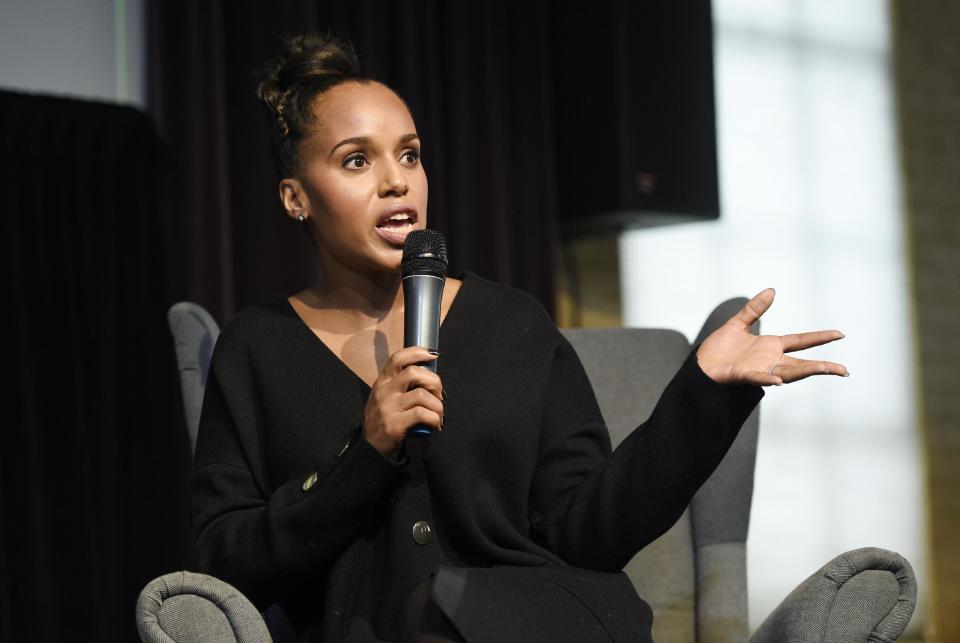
864, 595
187, 607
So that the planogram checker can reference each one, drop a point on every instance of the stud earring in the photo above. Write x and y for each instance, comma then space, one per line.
300, 217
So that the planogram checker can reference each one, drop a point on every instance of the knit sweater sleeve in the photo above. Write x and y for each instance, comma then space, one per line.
259, 536
596, 509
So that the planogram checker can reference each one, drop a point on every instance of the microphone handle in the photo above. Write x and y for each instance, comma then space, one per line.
421, 323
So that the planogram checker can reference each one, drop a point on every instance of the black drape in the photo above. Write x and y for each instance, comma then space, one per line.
477, 77
94, 454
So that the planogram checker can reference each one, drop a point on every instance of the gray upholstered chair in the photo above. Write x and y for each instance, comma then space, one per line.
194, 334
182, 607
694, 576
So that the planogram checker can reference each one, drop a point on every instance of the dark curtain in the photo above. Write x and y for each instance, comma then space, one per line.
93, 500
477, 77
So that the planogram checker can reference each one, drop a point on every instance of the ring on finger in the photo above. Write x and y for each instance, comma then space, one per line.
770, 370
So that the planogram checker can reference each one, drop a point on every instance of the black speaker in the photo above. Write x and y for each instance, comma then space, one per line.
635, 118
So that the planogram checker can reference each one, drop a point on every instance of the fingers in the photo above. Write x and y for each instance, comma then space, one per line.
754, 308
406, 357
413, 377
799, 341
422, 401
760, 378
419, 415
414, 407
404, 396
792, 369
421, 397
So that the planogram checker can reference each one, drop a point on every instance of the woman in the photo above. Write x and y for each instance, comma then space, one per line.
510, 522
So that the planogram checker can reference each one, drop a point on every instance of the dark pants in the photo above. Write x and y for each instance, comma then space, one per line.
556, 604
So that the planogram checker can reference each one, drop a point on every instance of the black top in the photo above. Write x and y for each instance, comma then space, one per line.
522, 475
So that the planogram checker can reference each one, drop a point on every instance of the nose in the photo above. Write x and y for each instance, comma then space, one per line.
393, 182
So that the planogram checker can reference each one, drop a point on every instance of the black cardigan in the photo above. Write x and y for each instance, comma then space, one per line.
521, 476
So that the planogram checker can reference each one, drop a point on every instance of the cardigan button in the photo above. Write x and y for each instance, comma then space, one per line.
309, 482
422, 532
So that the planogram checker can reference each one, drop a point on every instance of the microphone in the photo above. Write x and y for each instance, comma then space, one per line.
424, 268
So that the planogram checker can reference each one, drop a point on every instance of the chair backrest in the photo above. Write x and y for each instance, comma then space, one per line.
194, 334
694, 576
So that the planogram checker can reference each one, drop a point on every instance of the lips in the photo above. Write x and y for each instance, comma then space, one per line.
395, 224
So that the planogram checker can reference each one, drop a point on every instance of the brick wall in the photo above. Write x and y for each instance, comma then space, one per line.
588, 285
926, 42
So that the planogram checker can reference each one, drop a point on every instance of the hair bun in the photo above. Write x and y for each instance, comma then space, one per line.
308, 65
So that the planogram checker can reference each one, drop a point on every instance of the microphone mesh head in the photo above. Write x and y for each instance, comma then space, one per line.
425, 253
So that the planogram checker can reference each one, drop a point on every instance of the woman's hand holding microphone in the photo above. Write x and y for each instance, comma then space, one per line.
403, 396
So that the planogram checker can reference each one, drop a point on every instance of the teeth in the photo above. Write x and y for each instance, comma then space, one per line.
399, 217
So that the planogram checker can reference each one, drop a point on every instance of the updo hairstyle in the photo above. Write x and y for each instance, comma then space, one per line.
309, 65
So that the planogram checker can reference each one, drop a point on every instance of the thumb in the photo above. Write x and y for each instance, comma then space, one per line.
754, 308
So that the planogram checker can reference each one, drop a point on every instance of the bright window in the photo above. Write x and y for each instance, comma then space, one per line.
811, 206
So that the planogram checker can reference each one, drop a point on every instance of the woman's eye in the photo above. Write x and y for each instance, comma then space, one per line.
410, 156
355, 162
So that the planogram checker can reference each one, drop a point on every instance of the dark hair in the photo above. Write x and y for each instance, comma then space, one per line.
309, 65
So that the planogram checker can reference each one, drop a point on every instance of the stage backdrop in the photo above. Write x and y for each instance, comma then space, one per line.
94, 455
477, 77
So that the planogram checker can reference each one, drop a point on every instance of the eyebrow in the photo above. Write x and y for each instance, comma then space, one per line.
363, 140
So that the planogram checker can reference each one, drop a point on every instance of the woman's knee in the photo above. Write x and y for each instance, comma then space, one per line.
423, 621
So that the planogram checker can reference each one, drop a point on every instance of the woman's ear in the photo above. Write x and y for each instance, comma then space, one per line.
293, 199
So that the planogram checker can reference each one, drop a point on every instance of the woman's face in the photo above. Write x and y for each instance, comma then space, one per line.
361, 184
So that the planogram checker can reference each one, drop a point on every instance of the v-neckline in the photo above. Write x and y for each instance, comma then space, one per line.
444, 329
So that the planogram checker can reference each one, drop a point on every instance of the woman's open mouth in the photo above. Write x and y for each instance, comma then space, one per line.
396, 224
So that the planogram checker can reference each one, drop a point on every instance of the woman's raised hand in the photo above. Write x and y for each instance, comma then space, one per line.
403, 396
731, 355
